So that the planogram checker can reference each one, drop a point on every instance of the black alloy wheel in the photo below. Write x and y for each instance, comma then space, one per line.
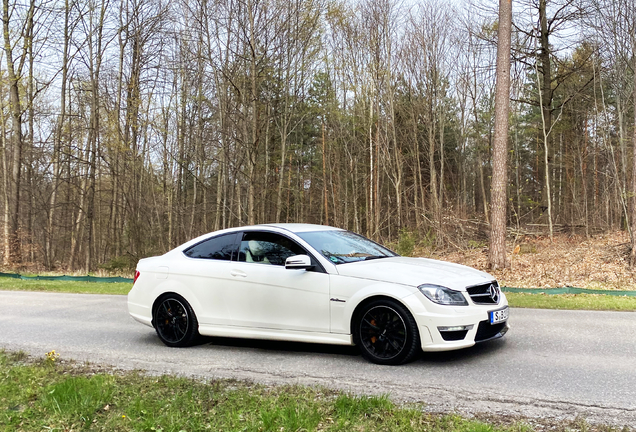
175, 321
386, 333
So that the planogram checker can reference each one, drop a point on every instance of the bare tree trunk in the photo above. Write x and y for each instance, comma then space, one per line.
377, 197
219, 190
77, 228
633, 194
57, 143
251, 210
93, 134
498, 188
370, 210
30, 159
15, 109
545, 93
5, 188
441, 114
116, 218
416, 171
547, 195
324, 176
289, 173
432, 169
283, 147
482, 187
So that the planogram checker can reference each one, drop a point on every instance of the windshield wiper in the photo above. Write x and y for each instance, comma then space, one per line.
375, 257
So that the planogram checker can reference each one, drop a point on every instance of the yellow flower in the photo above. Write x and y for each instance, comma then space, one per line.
51, 356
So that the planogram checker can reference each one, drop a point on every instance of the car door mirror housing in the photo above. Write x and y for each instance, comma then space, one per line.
297, 262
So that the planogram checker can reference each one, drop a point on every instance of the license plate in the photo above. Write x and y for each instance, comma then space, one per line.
498, 316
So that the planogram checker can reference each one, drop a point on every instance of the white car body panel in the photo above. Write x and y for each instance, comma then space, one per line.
271, 297
416, 271
252, 300
208, 281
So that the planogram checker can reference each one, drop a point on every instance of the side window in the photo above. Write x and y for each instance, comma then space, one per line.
219, 248
267, 248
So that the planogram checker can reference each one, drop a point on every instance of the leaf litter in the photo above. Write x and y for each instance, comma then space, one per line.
596, 262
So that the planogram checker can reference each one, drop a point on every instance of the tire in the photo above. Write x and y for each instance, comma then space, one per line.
175, 321
386, 333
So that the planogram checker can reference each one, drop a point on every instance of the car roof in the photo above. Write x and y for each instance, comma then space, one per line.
299, 227
290, 227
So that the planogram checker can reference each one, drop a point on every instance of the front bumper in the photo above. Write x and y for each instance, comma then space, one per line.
487, 331
462, 327
433, 340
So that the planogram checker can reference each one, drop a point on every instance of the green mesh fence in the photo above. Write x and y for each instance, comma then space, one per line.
69, 278
568, 290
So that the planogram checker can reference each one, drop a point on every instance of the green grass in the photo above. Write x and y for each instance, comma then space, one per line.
13, 284
48, 395
572, 301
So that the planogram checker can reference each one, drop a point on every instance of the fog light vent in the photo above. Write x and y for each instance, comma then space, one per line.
454, 333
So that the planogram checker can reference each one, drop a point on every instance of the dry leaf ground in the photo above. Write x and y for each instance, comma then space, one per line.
598, 262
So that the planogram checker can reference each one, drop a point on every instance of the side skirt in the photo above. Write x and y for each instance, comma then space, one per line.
272, 334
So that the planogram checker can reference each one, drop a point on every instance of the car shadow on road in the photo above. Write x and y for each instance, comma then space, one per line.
479, 351
259, 344
272, 345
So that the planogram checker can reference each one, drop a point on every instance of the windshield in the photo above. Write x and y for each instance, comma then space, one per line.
342, 247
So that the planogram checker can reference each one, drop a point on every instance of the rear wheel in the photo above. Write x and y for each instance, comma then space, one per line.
386, 333
175, 322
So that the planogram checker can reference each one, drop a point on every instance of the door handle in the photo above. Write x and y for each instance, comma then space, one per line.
238, 273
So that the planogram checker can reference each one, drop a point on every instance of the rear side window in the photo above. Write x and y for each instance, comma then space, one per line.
219, 248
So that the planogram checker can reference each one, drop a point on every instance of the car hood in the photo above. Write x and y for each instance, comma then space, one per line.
415, 272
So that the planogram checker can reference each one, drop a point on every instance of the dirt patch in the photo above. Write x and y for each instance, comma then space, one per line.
597, 262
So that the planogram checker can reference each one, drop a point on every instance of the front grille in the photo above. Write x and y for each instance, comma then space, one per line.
480, 294
454, 335
487, 331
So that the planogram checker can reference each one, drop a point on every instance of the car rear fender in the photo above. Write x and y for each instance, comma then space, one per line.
176, 287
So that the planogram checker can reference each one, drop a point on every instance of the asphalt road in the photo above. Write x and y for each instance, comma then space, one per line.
555, 364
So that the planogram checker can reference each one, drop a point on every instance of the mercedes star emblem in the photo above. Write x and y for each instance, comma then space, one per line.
494, 293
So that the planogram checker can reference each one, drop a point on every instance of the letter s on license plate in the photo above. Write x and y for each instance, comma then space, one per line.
498, 316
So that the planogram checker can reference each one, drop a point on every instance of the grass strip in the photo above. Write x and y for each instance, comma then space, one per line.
599, 302
12, 284
571, 290
50, 395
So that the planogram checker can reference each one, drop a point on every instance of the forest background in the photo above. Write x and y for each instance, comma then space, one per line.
130, 126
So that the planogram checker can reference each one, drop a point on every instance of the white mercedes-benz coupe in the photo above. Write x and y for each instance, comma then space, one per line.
313, 283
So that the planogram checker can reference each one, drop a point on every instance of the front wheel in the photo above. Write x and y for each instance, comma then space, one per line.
175, 321
386, 333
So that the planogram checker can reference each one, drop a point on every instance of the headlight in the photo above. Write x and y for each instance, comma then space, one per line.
442, 295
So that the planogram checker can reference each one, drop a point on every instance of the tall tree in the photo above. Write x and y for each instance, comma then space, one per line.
12, 239
633, 188
498, 188
633, 191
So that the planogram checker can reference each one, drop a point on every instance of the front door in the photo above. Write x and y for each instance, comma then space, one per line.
268, 296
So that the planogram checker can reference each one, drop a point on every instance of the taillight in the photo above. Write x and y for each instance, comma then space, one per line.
136, 276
